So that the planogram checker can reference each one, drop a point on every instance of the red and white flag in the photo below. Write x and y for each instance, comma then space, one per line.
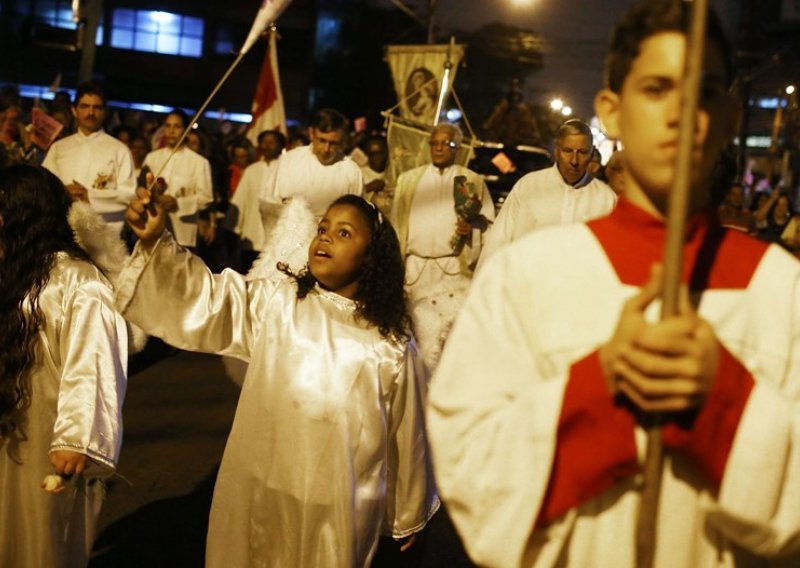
268, 110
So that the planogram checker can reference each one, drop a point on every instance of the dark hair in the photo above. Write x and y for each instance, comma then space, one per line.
380, 298
330, 120
90, 88
180, 113
647, 18
33, 207
277, 134
124, 128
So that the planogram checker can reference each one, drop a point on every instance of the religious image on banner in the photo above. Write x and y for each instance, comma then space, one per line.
417, 72
268, 109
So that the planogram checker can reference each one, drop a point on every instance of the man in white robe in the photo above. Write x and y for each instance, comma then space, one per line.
93, 165
320, 172
562, 194
438, 271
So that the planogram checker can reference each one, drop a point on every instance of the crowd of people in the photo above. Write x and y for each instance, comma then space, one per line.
404, 345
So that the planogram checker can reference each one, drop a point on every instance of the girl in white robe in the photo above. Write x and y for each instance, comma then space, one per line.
327, 449
62, 377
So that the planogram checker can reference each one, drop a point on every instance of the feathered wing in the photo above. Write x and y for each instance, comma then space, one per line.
287, 243
107, 250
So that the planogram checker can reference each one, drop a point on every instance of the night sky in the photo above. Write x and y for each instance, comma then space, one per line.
575, 33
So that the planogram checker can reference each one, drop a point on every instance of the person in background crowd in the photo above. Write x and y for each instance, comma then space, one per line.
733, 213
188, 178
319, 172
614, 172
441, 211
244, 215
374, 174
93, 165
565, 193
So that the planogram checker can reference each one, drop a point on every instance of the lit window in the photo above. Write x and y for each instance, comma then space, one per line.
157, 32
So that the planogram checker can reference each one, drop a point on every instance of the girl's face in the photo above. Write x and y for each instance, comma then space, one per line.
338, 251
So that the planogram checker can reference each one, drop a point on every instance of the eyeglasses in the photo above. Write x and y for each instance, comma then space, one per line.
442, 144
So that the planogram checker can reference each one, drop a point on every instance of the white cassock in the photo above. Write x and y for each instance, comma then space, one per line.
188, 177
100, 163
301, 174
543, 199
437, 279
244, 213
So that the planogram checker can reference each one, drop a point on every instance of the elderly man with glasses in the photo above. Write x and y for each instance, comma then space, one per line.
439, 238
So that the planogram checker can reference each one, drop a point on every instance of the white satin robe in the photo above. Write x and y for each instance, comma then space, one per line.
77, 388
327, 448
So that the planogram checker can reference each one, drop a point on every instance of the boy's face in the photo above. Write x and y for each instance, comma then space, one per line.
646, 113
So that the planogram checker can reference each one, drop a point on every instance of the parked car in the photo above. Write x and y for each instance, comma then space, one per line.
488, 162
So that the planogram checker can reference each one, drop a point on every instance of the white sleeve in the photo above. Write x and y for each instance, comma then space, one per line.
94, 352
171, 294
503, 229
492, 419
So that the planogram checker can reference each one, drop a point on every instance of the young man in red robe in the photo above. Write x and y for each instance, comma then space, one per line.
558, 355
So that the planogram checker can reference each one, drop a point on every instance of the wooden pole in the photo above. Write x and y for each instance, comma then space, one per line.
673, 267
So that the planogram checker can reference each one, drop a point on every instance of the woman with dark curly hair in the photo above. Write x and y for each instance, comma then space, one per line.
62, 376
328, 447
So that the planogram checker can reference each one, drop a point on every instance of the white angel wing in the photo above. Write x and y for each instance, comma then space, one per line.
108, 252
287, 243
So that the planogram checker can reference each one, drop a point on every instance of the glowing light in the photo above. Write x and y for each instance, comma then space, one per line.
566, 111
162, 17
556, 104
453, 115
790, 90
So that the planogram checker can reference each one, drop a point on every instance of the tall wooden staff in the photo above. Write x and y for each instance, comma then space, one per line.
673, 267
266, 16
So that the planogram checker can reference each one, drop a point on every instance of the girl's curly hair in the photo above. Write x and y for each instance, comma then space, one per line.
33, 228
380, 298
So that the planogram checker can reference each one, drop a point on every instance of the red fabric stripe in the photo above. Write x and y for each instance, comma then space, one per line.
595, 443
708, 439
714, 257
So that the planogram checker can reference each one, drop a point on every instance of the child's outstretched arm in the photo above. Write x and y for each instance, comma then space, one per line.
170, 293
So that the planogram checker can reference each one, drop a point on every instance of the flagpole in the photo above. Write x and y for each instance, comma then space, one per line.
266, 15
673, 269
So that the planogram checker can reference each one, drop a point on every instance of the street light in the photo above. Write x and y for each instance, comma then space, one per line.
556, 104
790, 90
566, 111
